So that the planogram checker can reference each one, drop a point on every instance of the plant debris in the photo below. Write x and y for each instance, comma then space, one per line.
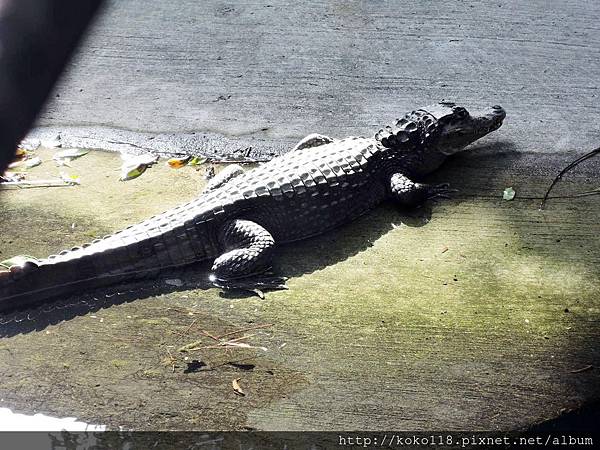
222, 343
583, 369
32, 162
197, 161
64, 157
508, 194
564, 171
135, 165
178, 163
237, 388
17, 180
72, 180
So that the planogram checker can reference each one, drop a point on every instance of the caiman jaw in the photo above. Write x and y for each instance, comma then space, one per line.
458, 132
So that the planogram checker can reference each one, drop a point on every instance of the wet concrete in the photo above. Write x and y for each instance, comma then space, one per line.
472, 313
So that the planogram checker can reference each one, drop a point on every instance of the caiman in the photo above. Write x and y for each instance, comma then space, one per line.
238, 220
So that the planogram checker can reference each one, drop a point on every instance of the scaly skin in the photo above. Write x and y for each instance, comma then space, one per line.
320, 185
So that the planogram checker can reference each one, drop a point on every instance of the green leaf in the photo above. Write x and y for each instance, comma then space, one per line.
135, 165
509, 193
131, 171
197, 161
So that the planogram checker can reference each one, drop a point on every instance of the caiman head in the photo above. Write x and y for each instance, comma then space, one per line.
457, 128
443, 128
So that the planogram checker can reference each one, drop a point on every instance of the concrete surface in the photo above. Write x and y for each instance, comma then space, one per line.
383, 329
476, 313
268, 73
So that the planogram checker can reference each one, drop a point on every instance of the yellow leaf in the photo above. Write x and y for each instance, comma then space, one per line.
178, 163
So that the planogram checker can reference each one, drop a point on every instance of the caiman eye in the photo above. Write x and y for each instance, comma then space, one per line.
460, 112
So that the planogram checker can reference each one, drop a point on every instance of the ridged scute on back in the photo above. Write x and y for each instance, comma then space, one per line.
409, 132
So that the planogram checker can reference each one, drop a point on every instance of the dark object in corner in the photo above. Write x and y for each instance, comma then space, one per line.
37, 38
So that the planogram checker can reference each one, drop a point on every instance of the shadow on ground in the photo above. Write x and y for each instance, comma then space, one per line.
294, 260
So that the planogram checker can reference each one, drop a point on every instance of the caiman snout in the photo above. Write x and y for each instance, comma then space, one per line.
499, 111
494, 117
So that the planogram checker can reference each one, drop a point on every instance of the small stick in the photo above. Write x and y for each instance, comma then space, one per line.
207, 334
565, 170
39, 183
256, 327
188, 328
583, 369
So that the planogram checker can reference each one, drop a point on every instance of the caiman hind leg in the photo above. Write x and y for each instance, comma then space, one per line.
248, 253
313, 140
411, 194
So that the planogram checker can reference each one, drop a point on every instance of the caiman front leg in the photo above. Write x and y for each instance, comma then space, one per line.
248, 253
313, 140
411, 194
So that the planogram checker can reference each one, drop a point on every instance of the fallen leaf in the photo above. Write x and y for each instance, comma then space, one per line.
135, 165
129, 172
70, 179
71, 153
509, 193
178, 163
236, 387
197, 161
64, 157
32, 162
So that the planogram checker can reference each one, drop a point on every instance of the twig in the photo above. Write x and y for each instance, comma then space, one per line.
221, 344
238, 161
564, 171
188, 328
256, 327
172, 359
38, 183
583, 369
207, 334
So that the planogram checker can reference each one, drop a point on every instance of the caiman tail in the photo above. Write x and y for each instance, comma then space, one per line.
171, 239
